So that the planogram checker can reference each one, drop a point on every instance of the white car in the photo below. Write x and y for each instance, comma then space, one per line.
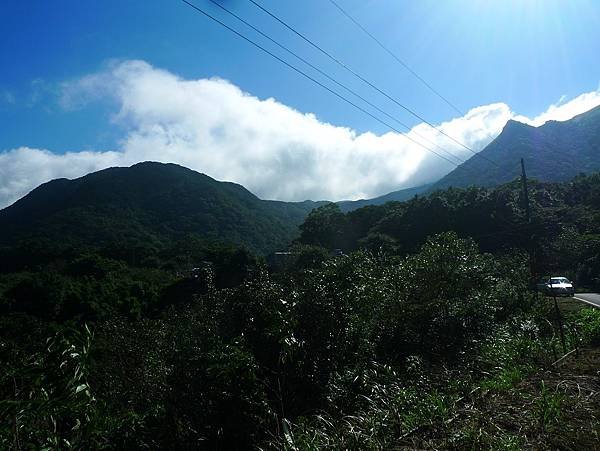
560, 286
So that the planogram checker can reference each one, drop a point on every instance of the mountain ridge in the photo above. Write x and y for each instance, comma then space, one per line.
148, 201
152, 201
555, 151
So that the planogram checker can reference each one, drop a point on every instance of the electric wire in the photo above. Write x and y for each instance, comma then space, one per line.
304, 74
333, 80
516, 228
396, 57
299, 71
400, 61
364, 80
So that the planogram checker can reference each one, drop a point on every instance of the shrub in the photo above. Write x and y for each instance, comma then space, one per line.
588, 321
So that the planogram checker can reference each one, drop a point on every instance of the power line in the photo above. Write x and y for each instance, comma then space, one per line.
201, 11
516, 228
457, 159
397, 58
304, 74
401, 62
364, 80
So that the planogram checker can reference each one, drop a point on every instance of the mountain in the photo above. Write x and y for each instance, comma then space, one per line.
555, 151
149, 203
152, 202
397, 196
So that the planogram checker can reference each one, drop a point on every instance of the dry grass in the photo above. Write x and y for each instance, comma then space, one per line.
556, 409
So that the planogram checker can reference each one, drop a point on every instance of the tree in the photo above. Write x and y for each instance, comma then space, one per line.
323, 227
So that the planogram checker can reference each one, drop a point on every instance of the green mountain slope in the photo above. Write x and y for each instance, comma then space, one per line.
150, 202
555, 151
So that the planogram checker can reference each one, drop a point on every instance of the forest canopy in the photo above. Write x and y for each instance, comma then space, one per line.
380, 320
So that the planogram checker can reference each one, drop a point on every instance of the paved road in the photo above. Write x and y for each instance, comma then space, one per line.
590, 298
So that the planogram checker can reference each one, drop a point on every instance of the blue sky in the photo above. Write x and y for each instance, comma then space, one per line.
526, 54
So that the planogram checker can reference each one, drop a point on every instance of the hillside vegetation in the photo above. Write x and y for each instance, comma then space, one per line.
563, 233
151, 204
423, 335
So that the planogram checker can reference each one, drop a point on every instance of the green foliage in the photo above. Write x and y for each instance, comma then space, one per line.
305, 256
505, 358
116, 209
101, 293
95, 266
563, 233
548, 407
475, 438
46, 400
225, 400
588, 323
229, 367
197, 345
444, 297
323, 226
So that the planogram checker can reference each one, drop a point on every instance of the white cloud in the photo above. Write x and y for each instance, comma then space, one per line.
212, 126
565, 110
24, 168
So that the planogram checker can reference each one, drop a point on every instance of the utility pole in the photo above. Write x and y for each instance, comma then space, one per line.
525, 191
559, 319
532, 257
530, 245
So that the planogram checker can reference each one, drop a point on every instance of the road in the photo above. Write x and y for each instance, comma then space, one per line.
589, 298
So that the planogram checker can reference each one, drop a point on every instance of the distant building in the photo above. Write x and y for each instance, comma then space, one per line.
277, 261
